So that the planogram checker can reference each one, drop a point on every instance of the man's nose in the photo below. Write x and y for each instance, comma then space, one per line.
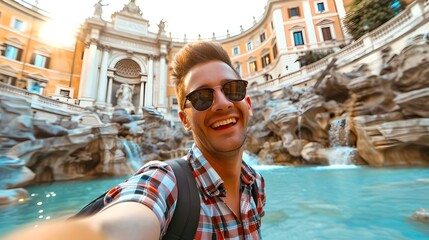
220, 101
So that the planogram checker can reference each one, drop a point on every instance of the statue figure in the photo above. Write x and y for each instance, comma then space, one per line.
132, 8
98, 8
124, 95
161, 25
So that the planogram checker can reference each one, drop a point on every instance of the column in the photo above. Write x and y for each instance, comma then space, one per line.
9, 80
309, 23
110, 75
142, 92
280, 30
162, 98
88, 84
149, 85
102, 82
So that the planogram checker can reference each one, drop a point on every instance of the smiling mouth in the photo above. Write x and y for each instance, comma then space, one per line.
224, 123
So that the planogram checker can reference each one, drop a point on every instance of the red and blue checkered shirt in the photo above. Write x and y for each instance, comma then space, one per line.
154, 185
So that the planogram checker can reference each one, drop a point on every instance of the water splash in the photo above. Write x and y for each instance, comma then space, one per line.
253, 161
299, 124
340, 152
339, 133
133, 153
250, 159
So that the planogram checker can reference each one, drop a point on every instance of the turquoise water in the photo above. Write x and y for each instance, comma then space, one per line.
302, 203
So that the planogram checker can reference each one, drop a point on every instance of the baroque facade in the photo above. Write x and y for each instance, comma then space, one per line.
121, 56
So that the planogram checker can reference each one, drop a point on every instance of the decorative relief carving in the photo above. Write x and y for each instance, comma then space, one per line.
124, 44
126, 25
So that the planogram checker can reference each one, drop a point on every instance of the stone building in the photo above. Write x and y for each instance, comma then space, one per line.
123, 52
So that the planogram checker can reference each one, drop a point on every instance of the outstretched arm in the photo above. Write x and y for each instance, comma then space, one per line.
127, 220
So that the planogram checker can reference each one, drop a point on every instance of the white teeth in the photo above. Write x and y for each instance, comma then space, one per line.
223, 122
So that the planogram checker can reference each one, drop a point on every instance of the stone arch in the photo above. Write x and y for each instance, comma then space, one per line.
128, 70
140, 60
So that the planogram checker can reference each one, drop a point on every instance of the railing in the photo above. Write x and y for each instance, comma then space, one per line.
39, 101
412, 16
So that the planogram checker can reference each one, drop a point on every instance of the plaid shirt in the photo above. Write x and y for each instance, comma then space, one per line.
154, 185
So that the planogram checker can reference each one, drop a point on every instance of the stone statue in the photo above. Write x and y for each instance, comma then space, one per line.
161, 25
124, 96
132, 8
98, 8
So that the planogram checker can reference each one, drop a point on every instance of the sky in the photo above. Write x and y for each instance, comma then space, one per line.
190, 17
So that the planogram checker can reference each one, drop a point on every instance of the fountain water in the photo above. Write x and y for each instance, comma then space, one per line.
133, 153
340, 152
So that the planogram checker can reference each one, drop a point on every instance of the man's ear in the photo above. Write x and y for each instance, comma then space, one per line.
249, 105
185, 121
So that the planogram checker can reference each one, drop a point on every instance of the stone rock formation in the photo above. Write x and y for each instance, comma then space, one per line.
374, 119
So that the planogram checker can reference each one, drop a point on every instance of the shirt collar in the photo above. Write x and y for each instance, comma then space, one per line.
207, 178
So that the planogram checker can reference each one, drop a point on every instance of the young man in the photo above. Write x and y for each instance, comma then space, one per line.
214, 106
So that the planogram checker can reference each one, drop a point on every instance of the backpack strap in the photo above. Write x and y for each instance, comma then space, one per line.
186, 216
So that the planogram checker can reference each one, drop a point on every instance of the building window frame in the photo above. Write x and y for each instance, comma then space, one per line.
322, 3
326, 34
326, 25
13, 52
40, 60
249, 45
298, 37
275, 50
266, 60
253, 66
294, 12
18, 24
235, 50
262, 37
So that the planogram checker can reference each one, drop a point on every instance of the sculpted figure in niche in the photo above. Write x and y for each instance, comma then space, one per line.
124, 95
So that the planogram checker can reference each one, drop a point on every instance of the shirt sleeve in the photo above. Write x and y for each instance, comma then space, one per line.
154, 185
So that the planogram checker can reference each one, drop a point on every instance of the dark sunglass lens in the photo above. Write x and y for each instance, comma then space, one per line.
235, 90
201, 99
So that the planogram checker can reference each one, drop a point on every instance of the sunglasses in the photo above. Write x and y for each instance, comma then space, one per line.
201, 99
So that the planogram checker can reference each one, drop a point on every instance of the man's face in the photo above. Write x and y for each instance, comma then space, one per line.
222, 127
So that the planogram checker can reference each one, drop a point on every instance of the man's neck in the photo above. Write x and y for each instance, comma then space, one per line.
227, 165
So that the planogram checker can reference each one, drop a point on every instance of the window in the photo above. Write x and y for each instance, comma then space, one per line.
320, 7
13, 53
298, 38
262, 37
40, 61
253, 67
266, 60
326, 32
65, 93
293, 12
235, 51
18, 25
275, 50
8, 79
249, 46
35, 87
174, 101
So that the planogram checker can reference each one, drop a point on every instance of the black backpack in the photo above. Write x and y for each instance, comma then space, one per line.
186, 216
